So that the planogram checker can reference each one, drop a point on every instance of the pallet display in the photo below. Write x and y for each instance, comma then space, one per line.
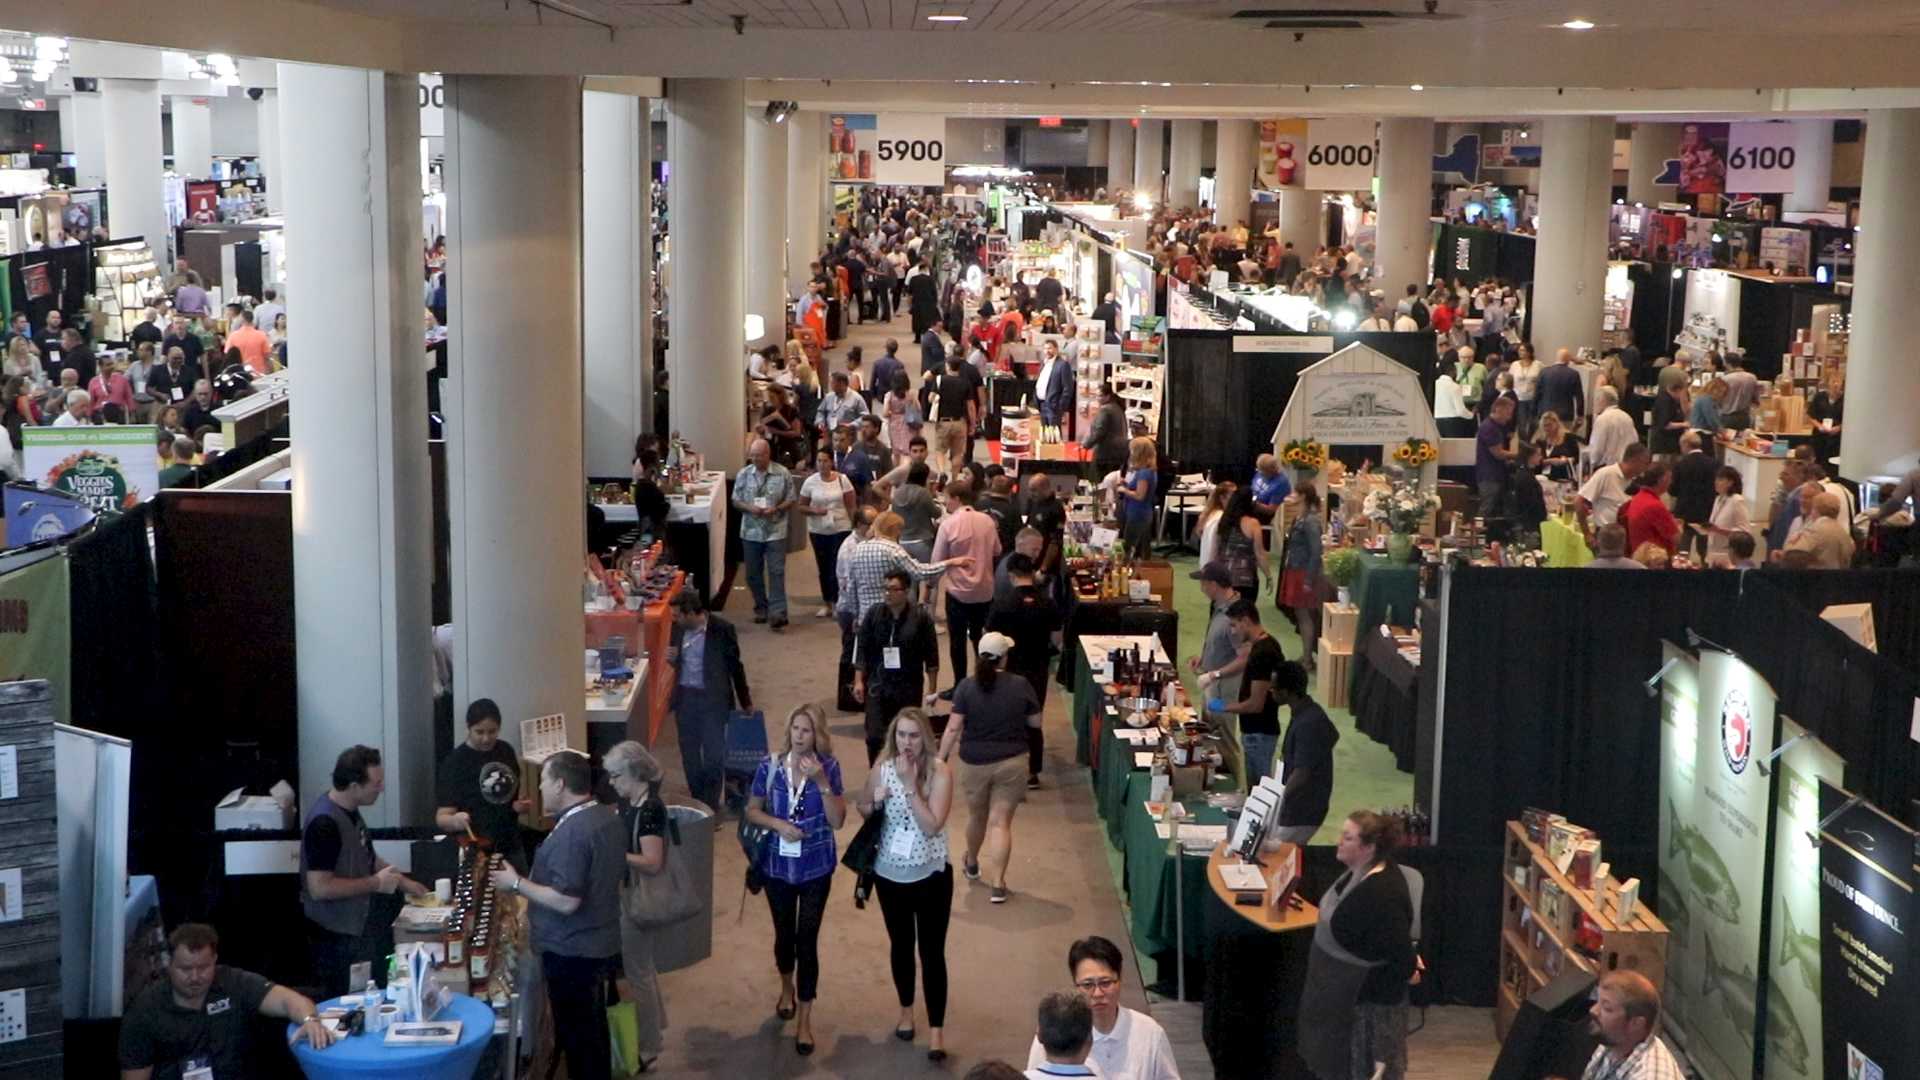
1550, 924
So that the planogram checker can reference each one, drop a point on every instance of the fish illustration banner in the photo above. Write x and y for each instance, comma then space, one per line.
1866, 900
1793, 956
1720, 846
1679, 738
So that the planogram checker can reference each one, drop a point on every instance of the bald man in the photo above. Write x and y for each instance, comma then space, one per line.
763, 494
1561, 390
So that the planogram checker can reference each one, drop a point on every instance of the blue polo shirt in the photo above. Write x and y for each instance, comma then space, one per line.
1271, 490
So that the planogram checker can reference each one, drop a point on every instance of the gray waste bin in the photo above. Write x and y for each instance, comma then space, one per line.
692, 941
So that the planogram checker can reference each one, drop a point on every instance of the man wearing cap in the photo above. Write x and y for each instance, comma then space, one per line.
1221, 659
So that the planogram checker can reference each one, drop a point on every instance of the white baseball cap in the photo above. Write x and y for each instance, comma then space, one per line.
996, 645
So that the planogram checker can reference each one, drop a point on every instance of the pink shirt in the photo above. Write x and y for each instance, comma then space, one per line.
968, 534
116, 389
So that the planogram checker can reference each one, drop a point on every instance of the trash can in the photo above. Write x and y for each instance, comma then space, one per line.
690, 942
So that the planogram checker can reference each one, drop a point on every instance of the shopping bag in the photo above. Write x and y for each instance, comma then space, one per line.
746, 740
623, 1035
666, 896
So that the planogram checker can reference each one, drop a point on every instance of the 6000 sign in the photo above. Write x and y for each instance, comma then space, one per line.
1340, 155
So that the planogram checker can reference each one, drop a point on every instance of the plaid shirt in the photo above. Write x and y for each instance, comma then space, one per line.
1651, 1060
872, 559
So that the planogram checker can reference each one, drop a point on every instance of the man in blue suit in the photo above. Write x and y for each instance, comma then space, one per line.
1055, 389
709, 681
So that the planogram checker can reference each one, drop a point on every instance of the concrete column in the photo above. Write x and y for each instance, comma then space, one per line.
1119, 155
1232, 171
1570, 263
267, 115
615, 249
192, 136
1150, 159
806, 193
1183, 165
1653, 145
1404, 236
134, 162
766, 239
1096, 143
706, 126
83, 132
1303, 221
513, 163
1883, 373
362, 493
1812, 166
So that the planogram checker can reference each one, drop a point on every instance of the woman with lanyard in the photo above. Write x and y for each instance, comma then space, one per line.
914, 880
1353, 1012
1136, 497
635, 777
798, 795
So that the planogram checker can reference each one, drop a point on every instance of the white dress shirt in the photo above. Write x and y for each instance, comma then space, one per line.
1136, 1049
1613, 432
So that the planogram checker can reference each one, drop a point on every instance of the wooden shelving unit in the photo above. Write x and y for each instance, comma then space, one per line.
1538, 946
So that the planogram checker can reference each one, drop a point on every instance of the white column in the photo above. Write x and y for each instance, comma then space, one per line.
1652, 145
614, 247
362, 494
1232, 171
88, 138
706, 126
1812, 166
806, 193
1119, 155
192, 136
766, 240
1150, 159
1570, 263
1883, 374
1183, 164
268, 117
1404, 235
1303, 221
1096, 143
514, 463
134, 163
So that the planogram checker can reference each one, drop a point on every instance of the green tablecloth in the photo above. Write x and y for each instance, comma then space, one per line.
1112, 779
1150, 886
1085, 697
1564, 545
1385, 592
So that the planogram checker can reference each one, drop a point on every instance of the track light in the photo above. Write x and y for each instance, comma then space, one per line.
1766, 766
778, 111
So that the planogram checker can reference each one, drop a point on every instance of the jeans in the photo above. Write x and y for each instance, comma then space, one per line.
826, 553
1490, 498
701, 720
576, 990
919, 911
883, 302
1259, 750
797, 910
643, 982
966, 621
766, 575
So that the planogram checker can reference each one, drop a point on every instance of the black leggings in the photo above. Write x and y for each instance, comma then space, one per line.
797, 910
919, 909
1036, 740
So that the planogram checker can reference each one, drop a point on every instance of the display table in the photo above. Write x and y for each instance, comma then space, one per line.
647, 633
1759, 473
629, 716
1385, 699
1564, 546
1081, 653
1385, 592
1256, 969
366, 1056
1162, 920
697, 531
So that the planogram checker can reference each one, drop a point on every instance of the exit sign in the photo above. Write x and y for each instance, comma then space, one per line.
1049, 121
34, 104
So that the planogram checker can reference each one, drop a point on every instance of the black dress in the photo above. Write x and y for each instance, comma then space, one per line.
1826, 444
1662, 439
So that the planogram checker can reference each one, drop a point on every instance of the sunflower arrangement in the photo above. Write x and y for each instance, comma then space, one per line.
1415, 452
1306, 456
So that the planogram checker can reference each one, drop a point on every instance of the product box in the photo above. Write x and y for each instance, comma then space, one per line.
241, 811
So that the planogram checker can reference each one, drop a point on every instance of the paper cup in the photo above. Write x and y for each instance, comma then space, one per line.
443, 890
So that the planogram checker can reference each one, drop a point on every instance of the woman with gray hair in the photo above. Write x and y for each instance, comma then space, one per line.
635, 775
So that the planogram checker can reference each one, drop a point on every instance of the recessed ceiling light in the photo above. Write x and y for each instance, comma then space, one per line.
946, 18
1577, 24
1416, 86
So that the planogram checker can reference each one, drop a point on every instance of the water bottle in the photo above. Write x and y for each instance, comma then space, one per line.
370, 1005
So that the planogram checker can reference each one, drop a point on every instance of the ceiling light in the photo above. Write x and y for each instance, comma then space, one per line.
230, 79
196, 73
42, 76
220, 62
947, 18
1577, 24
8, 77
1416, 87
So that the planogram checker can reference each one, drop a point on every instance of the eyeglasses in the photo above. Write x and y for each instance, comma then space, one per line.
893, 588
1091, 985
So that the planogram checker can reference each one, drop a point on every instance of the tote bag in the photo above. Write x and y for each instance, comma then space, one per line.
665, 897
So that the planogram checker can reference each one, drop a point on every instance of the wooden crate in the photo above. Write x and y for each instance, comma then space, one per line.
1338, 627
1158, 574
1534, 949
1330, 675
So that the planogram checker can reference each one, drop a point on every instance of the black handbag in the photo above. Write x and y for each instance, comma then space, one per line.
753, 844
862, 852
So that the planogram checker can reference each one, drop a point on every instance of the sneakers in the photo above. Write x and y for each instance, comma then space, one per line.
970, 868
1000, 894
760, 617
1033, 781
823, 613
779, 622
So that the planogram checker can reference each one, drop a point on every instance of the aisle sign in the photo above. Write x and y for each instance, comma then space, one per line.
1340, 154
433, 106
113, 467
910, 148
1761, 157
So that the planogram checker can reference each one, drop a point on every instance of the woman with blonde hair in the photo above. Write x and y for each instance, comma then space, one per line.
1559, 449
797, 794
635, 776
1210, 515
1136, 496
914, 878
22, 358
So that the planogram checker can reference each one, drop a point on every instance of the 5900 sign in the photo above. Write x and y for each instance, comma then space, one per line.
910, 150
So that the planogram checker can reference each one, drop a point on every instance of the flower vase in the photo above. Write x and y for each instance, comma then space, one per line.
1346, 598
1303, 476
1399, 547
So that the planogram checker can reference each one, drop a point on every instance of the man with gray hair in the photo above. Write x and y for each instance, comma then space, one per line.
1065, 1032
1613, 429
763, 494
79, 405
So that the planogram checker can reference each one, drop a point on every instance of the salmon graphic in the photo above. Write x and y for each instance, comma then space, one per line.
1706, 871
1673, 911
1737, 991
1785, 1040
1798, 945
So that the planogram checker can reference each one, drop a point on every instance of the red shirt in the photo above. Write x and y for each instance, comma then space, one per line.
1442, 316
1648, 519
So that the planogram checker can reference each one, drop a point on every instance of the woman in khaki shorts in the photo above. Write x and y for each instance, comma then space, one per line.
994, 708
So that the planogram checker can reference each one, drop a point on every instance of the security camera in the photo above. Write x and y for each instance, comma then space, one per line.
256, 93
1433, 6
739, 24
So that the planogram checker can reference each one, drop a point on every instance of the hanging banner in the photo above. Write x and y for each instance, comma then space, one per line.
35, 640
1283, 151
1340, 154
1679, 739
115, 467
1703, 159
433, 106
908, 149
1761, 157
1793, 965
1722, 876
1866, 898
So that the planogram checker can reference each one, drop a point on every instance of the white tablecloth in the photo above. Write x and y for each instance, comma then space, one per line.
709, 510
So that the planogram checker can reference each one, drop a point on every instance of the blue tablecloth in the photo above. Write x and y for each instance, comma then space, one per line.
367, 1056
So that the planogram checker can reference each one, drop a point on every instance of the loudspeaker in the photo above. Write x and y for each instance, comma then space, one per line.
1549, 1035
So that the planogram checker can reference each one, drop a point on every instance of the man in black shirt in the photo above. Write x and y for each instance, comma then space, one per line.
463, 807
894, 645
148, 330
75, 353
339, 871
171, 383
48, 339
1046, 516
198, 412
194, 1023
1257, 708
1308, 756
997, 504
188, 341
1033, 621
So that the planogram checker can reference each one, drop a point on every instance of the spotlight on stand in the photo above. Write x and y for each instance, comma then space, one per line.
1766, 766
1343, 319
1652, 685
778, 111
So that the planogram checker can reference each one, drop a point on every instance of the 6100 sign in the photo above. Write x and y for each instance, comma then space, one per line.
1761, 157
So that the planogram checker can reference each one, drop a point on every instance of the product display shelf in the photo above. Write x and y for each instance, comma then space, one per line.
1538, 943
126, 278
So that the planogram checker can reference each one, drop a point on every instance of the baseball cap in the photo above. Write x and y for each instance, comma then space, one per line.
1215, 572
996, 645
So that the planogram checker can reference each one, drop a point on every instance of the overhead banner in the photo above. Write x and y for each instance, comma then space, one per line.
1793, 965
1703, 159
907, 149
1340, 154
1679, 739
1283, 152
1721, 873
1866, 898
35, 639
1761, 157
114, 467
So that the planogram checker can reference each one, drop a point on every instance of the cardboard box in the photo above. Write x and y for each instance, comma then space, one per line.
240, 811
1856, 620
1158, 573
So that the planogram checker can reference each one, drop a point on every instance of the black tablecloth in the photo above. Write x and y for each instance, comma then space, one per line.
1112, 617
1254, 979
1385, 699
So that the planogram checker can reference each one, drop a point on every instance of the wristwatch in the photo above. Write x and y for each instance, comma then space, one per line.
308, 1019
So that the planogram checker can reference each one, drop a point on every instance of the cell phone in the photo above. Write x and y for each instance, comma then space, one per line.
357, 1022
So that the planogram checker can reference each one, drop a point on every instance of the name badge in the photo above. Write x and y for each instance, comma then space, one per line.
196, 1068
890, 656
761, 502
218, 1006
789, 849
900, 848
178, 394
